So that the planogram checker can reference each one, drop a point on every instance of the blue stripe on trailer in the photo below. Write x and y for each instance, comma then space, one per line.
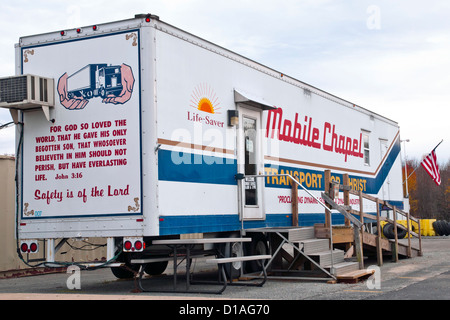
169, 225
217, 223
189, 167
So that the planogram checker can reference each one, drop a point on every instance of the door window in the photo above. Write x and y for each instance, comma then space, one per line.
250, 166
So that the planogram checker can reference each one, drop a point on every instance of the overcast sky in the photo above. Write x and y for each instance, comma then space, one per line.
391, 57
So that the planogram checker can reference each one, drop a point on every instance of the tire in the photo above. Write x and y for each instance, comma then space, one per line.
388, 231
401, 233
102, 92
441, 227
89, 94
445, 226
437, 228
156, 268
122, 273
258, 246
434, 225
235, 249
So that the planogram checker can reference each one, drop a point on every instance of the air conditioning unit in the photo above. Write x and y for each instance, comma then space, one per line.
27, 92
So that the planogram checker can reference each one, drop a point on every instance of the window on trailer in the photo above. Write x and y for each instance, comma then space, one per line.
366, 148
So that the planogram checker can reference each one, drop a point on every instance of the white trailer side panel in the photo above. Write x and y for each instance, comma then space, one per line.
311, 131
81, 175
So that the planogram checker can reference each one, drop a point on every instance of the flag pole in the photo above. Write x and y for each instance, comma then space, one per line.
437, 145
419, 165
411, 173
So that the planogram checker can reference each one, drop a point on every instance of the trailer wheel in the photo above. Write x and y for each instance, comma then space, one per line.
156, 268
228, 250
258, 246
125, 273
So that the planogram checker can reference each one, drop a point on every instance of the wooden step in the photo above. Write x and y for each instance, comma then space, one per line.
324, 258
314, 245
345, 267
354, 276
299, 234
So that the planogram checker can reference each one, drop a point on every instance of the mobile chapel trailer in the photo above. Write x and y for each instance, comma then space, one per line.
171, 152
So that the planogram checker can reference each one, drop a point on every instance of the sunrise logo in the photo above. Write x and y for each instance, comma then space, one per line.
203, 98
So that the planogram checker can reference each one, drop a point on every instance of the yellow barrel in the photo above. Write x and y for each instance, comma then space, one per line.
431, 232
426, 227
382, 224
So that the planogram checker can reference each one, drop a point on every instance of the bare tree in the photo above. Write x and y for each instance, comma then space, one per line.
428, 200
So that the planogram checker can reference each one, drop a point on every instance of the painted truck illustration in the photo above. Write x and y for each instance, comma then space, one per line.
95, 80
203, 150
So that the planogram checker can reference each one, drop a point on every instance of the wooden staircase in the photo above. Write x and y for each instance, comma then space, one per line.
304, 253
311, 250
319, 251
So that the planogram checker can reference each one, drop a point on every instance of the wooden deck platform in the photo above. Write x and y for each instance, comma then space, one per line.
355, 276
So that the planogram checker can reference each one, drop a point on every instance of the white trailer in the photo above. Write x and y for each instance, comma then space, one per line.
162, 158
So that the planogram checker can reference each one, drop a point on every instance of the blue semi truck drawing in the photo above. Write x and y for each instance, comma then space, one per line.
95, 80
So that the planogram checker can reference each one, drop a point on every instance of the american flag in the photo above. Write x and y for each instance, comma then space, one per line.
429, 163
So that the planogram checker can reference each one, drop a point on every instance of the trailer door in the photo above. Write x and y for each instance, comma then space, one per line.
251, 163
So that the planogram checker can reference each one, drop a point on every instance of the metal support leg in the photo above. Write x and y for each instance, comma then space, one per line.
110, 248
284, 241
140, 274
307, 257
50, 250
175, 268
188, 266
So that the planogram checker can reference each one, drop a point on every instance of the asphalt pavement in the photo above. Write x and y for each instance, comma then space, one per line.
419, 278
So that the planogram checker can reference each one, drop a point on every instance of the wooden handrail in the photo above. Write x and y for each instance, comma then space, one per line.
395, 249
374, 199
347, 189
378, 243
